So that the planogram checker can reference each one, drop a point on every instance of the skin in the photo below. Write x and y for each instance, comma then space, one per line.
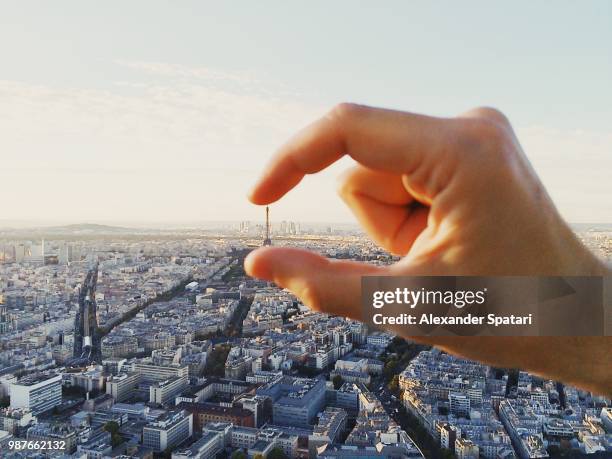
452, 196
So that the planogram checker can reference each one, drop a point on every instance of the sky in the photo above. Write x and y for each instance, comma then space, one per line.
162, 112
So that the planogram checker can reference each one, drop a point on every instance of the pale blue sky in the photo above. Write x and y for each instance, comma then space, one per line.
170, 108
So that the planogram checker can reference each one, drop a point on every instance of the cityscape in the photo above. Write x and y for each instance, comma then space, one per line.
151, 343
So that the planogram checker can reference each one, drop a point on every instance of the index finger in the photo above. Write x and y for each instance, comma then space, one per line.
380, 139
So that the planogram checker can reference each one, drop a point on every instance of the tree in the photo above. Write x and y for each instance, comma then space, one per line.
394, 384
239, 454
113, 428
337, 380
277, 453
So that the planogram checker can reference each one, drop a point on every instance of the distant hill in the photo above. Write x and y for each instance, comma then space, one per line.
591, 226
87, 228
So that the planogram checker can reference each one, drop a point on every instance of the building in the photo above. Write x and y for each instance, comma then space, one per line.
351, 376
169, 431
261, 448
260, 406
296, 401
459, 404
448, 436
380, 339
119, 346
210, 412
16, 420
164, 392
207, 447
54, 433
466, 449
151, 373
331, 426
121, 386
524, 427
238, 368
90, 380
39, 393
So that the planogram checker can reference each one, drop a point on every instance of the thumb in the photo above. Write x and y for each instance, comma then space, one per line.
325, 285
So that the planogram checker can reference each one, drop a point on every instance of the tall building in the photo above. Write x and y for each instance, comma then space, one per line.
459, 404
169, 431
87, 339
64, 255
39, 393
6, 323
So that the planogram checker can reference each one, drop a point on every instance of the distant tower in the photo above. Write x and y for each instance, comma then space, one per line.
267, 240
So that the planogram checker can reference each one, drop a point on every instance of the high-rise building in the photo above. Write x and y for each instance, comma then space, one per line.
64, 255
39, 393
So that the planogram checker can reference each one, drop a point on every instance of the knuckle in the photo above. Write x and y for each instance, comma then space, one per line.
309, 295
490, 113
344, 185
483, 134
344, 111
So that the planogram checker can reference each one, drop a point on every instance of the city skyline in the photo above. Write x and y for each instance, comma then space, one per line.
172, 120
191, 358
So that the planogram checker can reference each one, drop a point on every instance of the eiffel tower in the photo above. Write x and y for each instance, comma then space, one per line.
267, 240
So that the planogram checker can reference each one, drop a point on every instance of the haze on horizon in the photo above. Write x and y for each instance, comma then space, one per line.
165, 113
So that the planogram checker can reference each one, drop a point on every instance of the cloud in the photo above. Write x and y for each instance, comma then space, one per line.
146, 120
78, 152
181, 71
180, 135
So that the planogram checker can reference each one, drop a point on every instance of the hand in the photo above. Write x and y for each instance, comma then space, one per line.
453, 196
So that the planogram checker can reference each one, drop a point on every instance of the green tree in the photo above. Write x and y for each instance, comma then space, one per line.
113, 428
277, 453
337, 380
394, 384
239, 454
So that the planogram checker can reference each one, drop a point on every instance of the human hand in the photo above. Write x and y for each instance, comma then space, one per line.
453, 196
